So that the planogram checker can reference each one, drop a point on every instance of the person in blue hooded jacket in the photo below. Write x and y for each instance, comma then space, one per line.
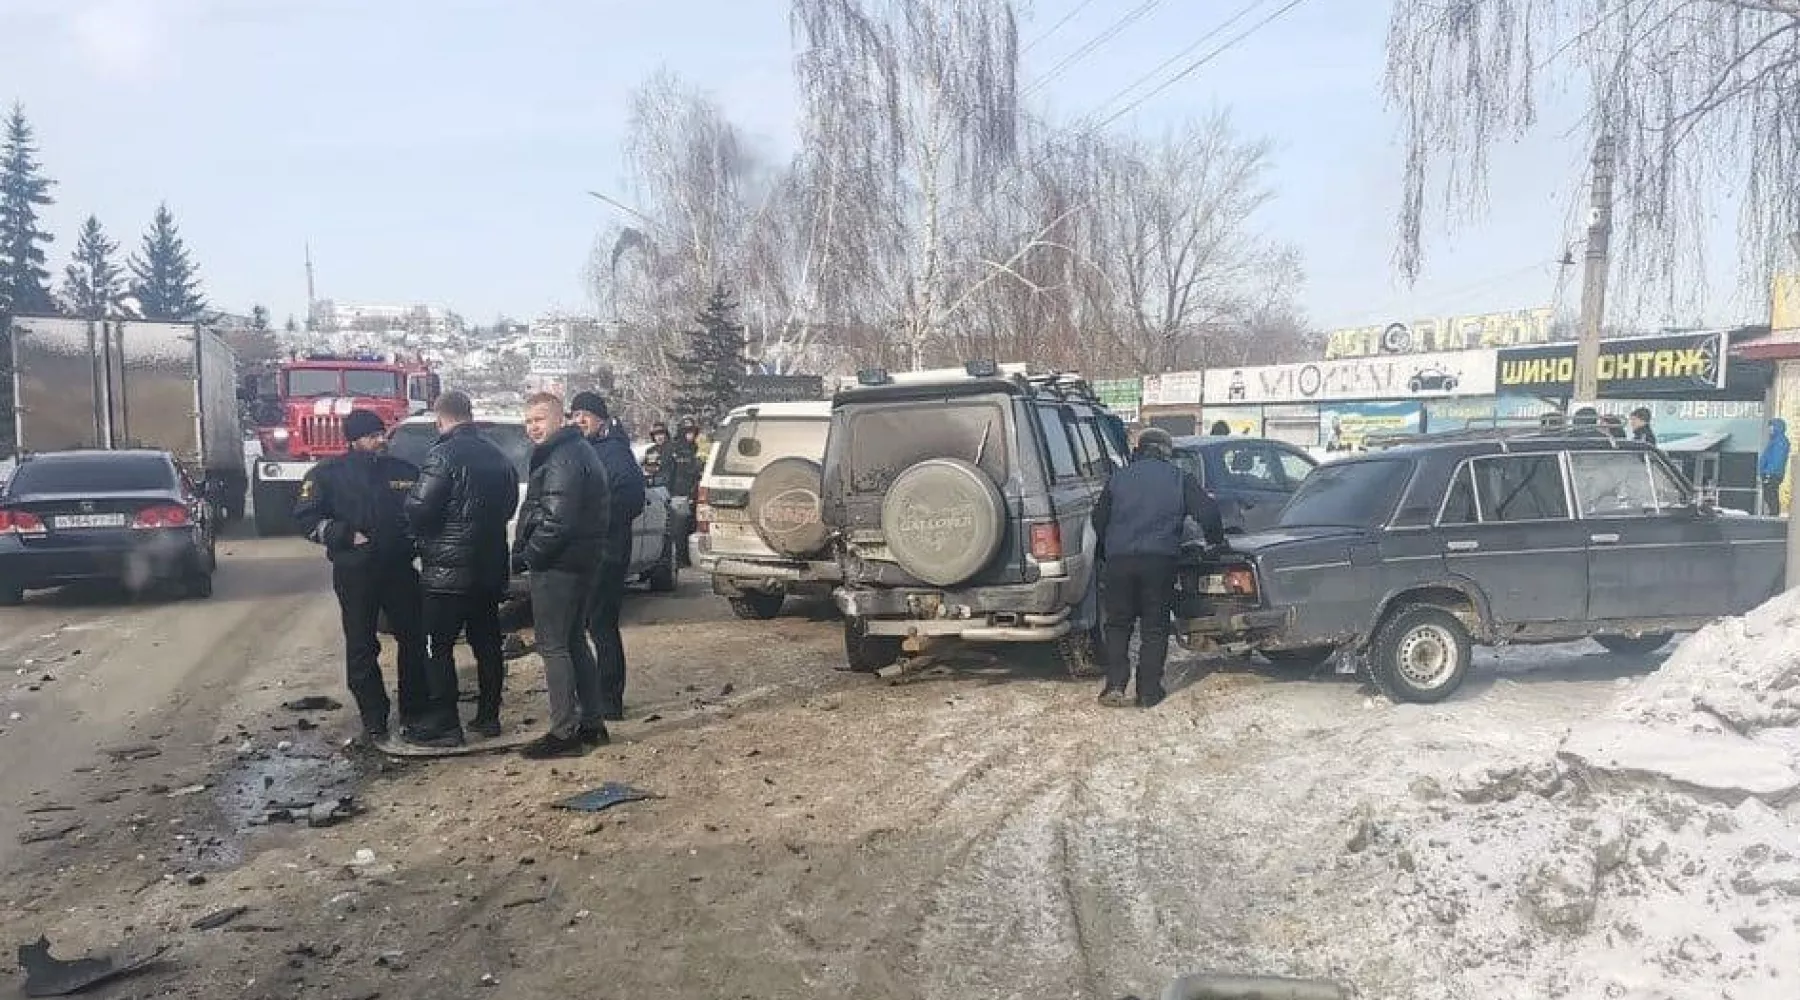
1771, 469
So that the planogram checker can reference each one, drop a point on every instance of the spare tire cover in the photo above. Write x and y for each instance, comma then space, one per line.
784, 507
944, 520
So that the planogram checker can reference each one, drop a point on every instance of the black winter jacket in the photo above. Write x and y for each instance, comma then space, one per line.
1144, 507
358, 493
626, 480
467, 491
563, 521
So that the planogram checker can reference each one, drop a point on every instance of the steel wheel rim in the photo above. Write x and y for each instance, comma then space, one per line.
1428, 656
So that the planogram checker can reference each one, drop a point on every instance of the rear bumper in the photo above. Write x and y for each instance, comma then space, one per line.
1238, 625
1028, 612
140, 559
732, 574
281, 471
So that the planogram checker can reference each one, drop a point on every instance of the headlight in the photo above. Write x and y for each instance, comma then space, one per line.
279, 435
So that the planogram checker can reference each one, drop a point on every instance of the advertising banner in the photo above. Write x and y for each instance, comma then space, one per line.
552, 358
1693, 362
1172, 389
1734, 425
1391, 376
1121, 395
1243, 421
1448, 333
1344, 426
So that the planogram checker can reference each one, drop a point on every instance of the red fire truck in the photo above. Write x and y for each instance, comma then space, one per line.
299, 410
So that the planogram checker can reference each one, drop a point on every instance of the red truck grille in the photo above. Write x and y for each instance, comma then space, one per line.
324, 433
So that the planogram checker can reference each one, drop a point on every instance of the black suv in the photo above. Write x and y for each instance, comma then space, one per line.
961, 502
1407, 556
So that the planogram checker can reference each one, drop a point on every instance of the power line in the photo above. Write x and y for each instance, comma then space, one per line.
1184, 53
1054, 28
1194, 66
1130, 18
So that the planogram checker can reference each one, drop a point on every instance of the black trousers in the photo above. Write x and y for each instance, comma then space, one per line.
1771, 491
603, 627
364, 591
1139, 591
448, 616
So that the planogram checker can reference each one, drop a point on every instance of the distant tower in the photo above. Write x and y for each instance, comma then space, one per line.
311, 295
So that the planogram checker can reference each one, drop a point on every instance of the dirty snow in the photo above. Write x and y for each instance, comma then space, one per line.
1654, 856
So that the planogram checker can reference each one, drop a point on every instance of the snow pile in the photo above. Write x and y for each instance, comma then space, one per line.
1657, 857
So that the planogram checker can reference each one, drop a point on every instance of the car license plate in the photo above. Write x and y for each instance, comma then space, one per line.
88, 521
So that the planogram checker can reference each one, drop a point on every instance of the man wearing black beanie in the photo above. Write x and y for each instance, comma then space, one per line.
625, 482
353, 505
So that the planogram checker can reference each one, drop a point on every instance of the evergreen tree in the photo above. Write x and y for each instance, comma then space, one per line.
292, 327
710, 376
93, 284
259, 318
167, 284
24, 278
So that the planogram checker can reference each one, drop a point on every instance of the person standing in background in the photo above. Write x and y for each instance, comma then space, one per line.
353, 505
1771, 467
1640, 426
681, 473
466, 493
625, 483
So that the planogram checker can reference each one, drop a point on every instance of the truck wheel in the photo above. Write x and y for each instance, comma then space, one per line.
757, 605
1082, 653
865, 653
1299, 659
663, 576
1420, 655
1634, 645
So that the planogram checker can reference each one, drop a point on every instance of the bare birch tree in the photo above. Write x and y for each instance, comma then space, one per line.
911, 108
1702, 98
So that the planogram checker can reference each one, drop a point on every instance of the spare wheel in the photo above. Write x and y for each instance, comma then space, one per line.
944, 520
784, 507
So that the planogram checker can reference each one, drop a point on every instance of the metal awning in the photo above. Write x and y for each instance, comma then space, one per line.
1697, 442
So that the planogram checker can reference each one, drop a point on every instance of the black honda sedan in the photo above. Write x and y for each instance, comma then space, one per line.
131, 517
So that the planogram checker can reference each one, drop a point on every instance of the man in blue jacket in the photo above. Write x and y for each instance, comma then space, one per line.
626, 482
1771, 466
1141, 516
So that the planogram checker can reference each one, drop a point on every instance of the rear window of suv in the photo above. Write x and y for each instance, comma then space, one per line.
101, 473
753, 442
1357, 494
887, 441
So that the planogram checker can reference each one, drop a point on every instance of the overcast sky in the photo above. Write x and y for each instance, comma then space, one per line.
438, 150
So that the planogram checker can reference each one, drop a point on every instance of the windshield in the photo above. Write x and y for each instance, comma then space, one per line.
887, 441
383, 385
751, 443
302, 382
101, 473
1347, 494
411, 442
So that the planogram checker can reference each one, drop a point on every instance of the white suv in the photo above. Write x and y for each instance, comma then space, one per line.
758, 531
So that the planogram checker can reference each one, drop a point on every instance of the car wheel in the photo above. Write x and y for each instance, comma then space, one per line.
1634, 645
865, 653
200, 586
663, 576
1420, 655
1082, 653
1300, 659
757, 605
11, 596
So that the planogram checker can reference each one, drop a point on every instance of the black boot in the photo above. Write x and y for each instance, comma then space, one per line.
485, 725
551, 745
594, 735
439, 737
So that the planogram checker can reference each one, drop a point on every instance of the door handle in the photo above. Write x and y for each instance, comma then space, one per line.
1463, 545
1604, 539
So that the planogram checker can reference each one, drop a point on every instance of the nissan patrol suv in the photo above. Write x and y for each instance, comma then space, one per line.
1407, 557
961, 500
757, 512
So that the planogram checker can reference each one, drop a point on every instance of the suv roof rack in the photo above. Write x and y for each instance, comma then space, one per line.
1061, 385
1498, 429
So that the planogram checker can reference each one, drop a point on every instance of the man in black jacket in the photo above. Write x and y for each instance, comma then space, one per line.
561, 537
353, 506
1141, 516
626, 483
466, 493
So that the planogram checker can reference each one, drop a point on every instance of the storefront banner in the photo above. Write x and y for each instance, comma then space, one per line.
1242, 421
1172, 389
1121, 395
1343, 426
1636, 365
1739, 422
1459, 414
1451, 373
1448, 333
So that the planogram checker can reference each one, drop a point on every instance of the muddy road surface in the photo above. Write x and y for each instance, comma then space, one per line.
981, 831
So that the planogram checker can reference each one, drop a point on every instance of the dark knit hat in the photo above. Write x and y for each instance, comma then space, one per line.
590, 402
362, 423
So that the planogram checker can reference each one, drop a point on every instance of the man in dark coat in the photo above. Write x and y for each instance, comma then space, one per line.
1141, 517
353, 505
625, 481
466, 493
681, 472
561, 537
1640, 426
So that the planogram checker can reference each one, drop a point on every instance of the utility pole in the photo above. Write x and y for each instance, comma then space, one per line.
1593, 279
311, 295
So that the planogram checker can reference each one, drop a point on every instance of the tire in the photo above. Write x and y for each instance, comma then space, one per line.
11, 596
757, 605
1401, 660
199, 586
1306, 660
274, 512
865, 653
944, 520
663, 577
784, 507
1082, 653
1634, 645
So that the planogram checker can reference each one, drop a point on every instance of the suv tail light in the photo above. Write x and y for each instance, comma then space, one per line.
702, 511
166, 516
18, 522
1046, 542
1240, 581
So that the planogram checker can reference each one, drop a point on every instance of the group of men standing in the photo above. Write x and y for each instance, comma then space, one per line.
376, 514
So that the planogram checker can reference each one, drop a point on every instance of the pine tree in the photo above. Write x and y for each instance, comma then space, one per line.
167, 284
93, 284
293, 326
259, 318
711, 371
24, 278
